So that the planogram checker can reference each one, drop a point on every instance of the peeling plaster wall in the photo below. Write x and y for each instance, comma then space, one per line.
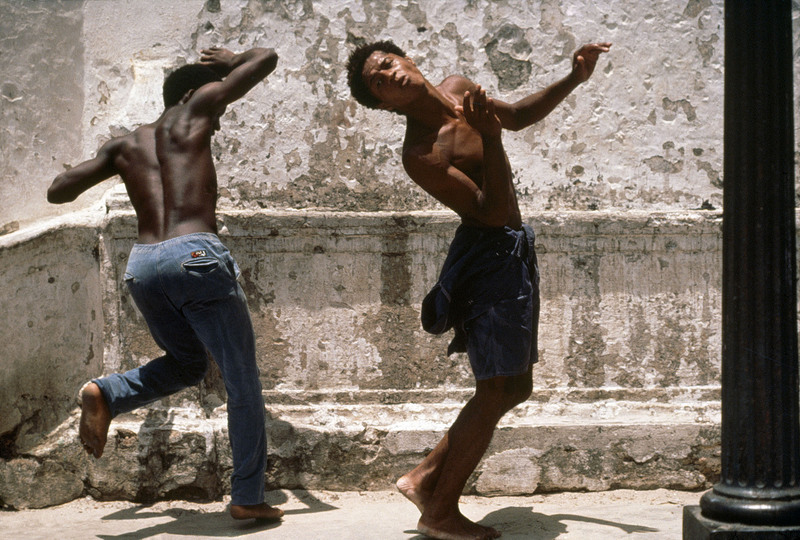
630, 288
629, 348
41, 101
644, 133
53, 330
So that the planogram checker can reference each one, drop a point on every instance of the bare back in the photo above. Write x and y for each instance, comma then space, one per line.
167, 165
169, 174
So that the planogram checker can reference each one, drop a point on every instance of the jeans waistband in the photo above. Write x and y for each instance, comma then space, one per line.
210, 237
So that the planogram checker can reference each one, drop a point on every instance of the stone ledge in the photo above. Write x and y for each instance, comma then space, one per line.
290, 396
182, 452
357, 392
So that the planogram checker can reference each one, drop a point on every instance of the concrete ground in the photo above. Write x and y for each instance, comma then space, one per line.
639, 515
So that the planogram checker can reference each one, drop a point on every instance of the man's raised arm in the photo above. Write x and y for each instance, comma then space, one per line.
531, 109
240, 72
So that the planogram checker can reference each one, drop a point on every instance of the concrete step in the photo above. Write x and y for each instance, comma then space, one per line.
543, 446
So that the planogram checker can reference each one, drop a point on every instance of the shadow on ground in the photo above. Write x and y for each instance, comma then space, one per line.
523, 522
192, 523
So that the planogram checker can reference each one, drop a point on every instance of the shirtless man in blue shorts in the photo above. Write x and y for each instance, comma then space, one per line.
182, 278
488, 288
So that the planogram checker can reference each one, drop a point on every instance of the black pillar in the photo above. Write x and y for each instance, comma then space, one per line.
760, 483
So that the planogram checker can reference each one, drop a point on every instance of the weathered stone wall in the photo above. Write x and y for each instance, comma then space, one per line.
52, 330
337, 247
41, 103
625, 394
626, 303
644, 133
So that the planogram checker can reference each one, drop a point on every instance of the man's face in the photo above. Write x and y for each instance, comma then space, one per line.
394, 80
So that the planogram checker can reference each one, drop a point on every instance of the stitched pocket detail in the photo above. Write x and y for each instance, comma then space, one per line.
201, 265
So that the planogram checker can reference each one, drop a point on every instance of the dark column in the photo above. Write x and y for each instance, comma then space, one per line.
760, 483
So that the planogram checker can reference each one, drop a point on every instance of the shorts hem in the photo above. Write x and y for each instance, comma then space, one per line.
504, 374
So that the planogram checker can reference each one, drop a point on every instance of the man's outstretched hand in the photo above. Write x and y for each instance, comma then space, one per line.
585, 59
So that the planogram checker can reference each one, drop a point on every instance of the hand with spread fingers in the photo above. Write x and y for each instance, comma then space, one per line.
585, 59
479, 111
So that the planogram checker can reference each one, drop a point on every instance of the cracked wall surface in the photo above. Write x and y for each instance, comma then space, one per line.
625, 394
611, 180
644, 133
41, 102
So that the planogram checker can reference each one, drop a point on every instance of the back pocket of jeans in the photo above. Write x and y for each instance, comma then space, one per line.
201, 265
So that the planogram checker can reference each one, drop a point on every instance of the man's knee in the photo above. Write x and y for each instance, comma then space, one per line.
194, 372
522, 385
505, 393
516, 395
516, 390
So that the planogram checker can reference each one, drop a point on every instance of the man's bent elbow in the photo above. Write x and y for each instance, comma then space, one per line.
269, 60
57, 195
513, 124
519, 123
57, 198
520, 118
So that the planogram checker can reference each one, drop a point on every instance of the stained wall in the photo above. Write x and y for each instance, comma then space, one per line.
337, 247
643, 134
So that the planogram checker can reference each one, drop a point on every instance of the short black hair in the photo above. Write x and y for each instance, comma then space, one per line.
185, 78
355, 68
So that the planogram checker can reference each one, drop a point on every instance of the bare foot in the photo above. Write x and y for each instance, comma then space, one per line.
255, 511
456, 527
95, 419
412, 490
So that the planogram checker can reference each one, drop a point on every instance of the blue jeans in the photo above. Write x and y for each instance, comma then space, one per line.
186, 289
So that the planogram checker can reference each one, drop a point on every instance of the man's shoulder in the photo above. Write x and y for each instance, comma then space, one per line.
132, 138
456, 84
130, 144
118, 143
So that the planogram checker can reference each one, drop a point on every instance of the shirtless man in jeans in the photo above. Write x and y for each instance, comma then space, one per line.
182, 278
488, 288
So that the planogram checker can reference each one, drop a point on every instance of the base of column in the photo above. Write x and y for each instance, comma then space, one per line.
698, 527
756, 511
